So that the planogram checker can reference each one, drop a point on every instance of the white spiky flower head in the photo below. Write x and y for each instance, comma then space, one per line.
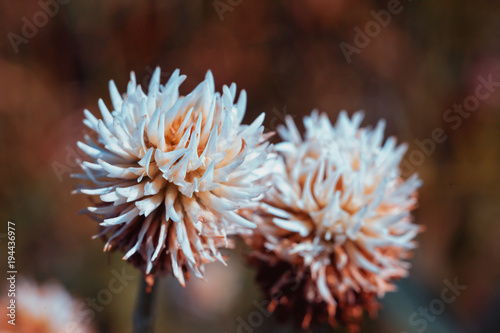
171, 171
46, 308
335, 224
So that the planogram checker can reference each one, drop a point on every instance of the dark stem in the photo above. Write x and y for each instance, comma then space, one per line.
144, 316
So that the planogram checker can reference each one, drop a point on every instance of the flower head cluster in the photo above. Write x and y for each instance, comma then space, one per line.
46, 308
176, 175
171, 171
335, 229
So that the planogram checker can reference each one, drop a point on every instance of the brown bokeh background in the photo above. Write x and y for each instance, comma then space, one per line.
287, 56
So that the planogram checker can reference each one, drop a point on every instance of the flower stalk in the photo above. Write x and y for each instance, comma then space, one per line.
145, 311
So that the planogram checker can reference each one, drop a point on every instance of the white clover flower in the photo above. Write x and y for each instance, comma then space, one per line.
335, 228
171, 171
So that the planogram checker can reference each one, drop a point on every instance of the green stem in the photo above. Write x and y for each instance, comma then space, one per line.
144, 315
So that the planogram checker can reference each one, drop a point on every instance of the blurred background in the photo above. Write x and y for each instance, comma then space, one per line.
429, 68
